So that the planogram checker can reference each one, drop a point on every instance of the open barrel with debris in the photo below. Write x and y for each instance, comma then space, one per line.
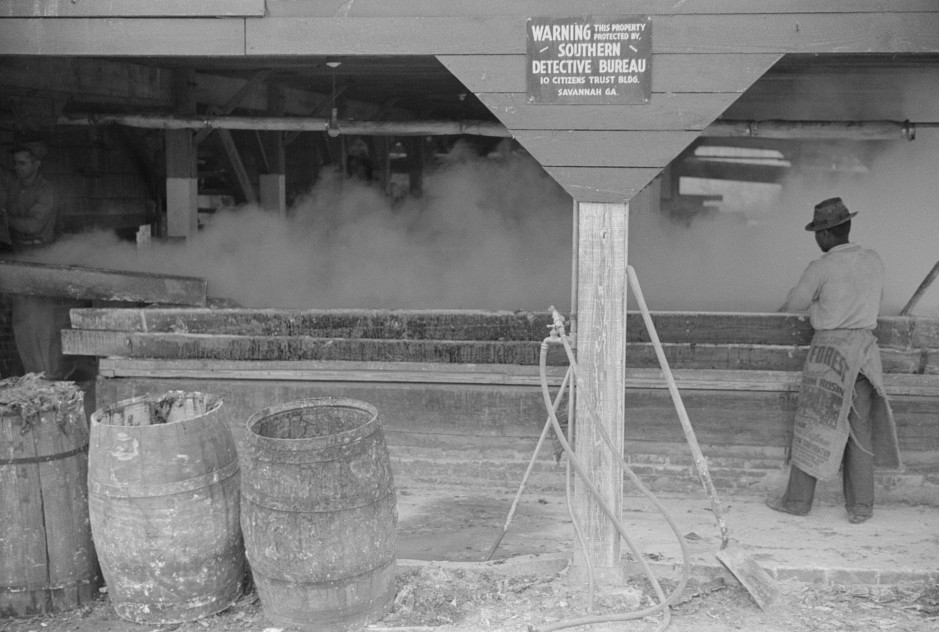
164, 503
47, 557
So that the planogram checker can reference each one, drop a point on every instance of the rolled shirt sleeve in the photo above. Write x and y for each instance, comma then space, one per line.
806, 291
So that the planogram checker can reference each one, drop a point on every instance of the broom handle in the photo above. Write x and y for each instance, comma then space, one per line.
920, 290
699, 460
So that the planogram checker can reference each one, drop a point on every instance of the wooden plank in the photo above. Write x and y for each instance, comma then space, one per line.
799, 33
323, 323
562, 8
122, 36
727, 33
682, 111
331, 371
384, 36
898, 332
555, 148
732, 73
496, 374
225, 347
130, 8
74, 282
603, 184
279, 348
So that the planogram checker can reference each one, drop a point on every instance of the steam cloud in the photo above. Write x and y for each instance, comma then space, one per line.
488, 233
495, 233
721, 264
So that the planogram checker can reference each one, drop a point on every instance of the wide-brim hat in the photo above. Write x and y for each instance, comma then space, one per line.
828, 214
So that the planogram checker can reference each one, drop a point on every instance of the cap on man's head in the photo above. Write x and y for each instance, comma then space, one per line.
36, 147
828, 214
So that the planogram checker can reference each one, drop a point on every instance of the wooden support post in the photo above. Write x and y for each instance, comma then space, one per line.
274, 181
182, 182
415, 165
601, 345
381, 162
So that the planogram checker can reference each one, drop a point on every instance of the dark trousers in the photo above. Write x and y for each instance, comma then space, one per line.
857, 464
37, 323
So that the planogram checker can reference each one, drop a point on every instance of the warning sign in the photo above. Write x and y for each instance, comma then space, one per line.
589, 60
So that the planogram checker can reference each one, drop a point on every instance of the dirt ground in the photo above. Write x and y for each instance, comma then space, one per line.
441, 598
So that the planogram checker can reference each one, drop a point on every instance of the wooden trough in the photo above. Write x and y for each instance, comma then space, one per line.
459, 396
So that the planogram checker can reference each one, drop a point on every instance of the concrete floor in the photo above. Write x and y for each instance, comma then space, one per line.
900, 543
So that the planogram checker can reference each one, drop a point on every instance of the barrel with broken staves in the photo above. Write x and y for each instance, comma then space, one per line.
319, 514
47, 557
163, 481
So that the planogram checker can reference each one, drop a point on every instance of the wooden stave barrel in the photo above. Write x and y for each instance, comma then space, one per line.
339, 487
171, 551
43, 467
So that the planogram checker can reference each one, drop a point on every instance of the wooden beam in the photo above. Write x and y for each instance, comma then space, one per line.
116, 37
768, 32
236, 99
131, 8
601, 356
561, 8
74, 282
233, 157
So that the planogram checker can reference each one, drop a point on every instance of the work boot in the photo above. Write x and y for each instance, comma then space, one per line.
780, 504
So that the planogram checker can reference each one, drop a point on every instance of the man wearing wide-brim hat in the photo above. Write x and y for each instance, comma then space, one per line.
843, 419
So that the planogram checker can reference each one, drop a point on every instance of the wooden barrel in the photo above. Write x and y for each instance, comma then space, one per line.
319, 514
163, 483
47, 559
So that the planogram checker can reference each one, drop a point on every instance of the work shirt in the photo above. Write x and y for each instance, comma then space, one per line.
30, 210
841, 290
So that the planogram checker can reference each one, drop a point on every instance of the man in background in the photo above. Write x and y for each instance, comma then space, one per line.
843, 418
29, 215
